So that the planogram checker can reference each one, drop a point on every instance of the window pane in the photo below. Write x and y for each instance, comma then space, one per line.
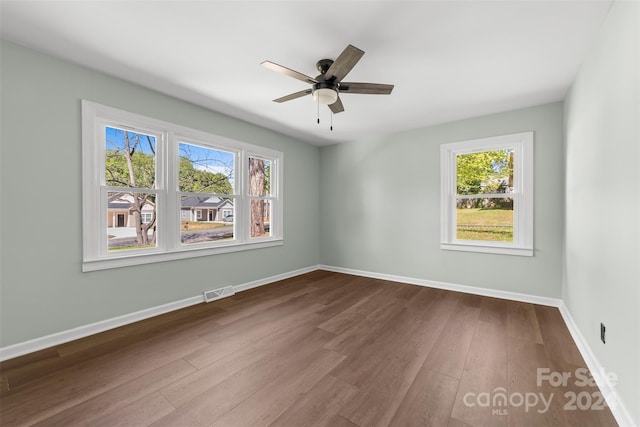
130, 159
260, 185
259, 177
131, 220
484, 172
205, 170
206, 219
485, 219
260, 218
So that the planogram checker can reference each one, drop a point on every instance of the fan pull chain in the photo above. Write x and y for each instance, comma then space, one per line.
331, 127
318, 110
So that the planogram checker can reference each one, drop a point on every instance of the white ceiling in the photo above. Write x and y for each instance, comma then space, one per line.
448, 59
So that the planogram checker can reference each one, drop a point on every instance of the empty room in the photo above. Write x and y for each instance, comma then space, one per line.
308, 213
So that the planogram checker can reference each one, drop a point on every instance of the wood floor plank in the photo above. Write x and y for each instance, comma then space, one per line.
350, 340
141, 413
493, 310
22, 370
405, 291
522, 322
118, 398
414, 331
471, 300
223, 343
581, 400
454, 422
523, 360
354, 313
358, 367
249, 322
556, 337
379, 397
263, 407
71, 386
338, 421
343, 297
485, 372
256, 307
428, 401
345, 320
434, 306
218, 400
272, 347
450, 351
318, 406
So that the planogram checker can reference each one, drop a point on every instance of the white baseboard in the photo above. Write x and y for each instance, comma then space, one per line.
533, 299
26, 347
618, 409
608, 390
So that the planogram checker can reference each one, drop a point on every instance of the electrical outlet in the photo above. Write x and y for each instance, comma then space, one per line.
602, 331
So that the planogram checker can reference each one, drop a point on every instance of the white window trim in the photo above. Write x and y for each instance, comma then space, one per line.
522, 244
168, 136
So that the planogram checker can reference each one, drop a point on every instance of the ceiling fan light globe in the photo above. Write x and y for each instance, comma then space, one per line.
325, 96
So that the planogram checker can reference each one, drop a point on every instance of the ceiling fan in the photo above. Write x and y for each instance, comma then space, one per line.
327, 86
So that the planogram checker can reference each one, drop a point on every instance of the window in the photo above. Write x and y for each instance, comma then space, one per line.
156, 191
487, 195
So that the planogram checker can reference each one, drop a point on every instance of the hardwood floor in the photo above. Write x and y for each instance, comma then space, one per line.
321, 349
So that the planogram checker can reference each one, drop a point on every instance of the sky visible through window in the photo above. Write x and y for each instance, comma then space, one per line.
209, 159
115, 140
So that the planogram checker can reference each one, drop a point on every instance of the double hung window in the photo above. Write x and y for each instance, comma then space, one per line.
487, 195
155, 191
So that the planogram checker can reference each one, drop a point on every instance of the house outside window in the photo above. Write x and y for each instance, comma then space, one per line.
487, 195
155, 191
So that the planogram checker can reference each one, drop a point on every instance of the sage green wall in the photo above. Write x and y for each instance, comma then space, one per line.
380, 206
602, 256
43, 290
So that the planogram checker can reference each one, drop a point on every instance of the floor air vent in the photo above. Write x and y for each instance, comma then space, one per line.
215, 294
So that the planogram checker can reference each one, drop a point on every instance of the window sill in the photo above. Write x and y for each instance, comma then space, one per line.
125, 261
489, 249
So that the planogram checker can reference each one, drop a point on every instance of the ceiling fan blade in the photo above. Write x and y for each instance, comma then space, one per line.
293, 96
368, 88
344, 63
336, 107
288, 71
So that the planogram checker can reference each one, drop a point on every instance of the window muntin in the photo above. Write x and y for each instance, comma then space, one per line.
139, 175
487, 195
